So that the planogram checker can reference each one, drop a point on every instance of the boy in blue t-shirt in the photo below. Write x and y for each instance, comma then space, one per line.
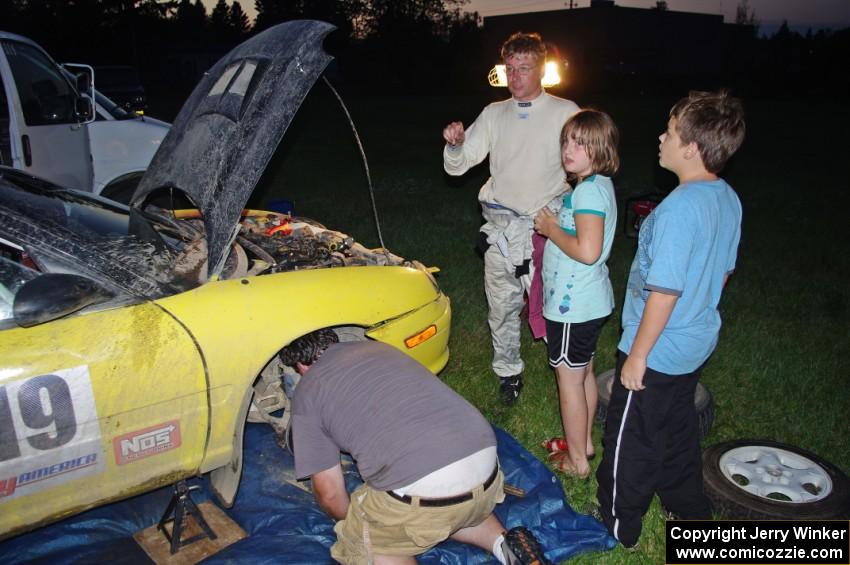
686, 252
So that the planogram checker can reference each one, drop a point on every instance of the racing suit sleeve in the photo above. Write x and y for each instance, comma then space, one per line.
459, 159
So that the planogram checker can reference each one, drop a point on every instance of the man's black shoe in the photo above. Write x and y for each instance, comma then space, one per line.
510, 388
522, 548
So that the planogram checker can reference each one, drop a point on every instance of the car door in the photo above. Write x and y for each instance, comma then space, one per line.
46, 138
94, 406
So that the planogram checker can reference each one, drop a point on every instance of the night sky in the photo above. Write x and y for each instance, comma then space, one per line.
800, 14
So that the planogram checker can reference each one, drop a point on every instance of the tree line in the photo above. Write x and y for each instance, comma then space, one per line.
388, 45
171, 41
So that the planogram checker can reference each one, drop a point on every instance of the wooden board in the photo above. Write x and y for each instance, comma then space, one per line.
158, 548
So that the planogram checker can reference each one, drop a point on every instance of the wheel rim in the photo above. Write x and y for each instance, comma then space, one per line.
775, 474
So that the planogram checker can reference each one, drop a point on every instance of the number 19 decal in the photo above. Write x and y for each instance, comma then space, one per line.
45, 404
49, 432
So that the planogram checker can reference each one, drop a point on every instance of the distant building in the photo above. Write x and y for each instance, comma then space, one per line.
613, 43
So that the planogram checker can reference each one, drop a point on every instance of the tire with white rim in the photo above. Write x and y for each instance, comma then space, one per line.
703, 401
763, 479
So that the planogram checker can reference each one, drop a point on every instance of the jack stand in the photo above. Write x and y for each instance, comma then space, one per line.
182, 505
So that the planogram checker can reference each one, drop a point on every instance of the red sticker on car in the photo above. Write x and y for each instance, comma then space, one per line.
149, 441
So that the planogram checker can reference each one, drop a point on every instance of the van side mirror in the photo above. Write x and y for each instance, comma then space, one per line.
83, 79
83, 82
81, 75
84, 109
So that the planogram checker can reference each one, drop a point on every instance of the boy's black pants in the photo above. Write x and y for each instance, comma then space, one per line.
651, 445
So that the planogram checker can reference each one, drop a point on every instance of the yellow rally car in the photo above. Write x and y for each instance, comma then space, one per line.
136, 342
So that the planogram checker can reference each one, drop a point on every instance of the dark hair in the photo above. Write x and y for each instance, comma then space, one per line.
307, 348
714, 121
530, 43
597, 131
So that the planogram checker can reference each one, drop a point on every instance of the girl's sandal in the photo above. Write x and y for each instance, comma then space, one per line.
556, 444
562, 462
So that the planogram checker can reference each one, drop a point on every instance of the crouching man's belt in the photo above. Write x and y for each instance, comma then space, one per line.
447, 501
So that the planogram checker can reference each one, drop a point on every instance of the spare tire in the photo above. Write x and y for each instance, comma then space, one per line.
703, 401
768, 480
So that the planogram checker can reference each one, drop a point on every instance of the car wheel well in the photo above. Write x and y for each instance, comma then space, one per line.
121, 189
267, 400
169, 198
275, 385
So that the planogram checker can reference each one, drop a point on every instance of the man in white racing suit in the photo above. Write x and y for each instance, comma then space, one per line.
521, 136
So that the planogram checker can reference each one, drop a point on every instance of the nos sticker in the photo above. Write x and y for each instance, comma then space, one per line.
49, 432
149, 441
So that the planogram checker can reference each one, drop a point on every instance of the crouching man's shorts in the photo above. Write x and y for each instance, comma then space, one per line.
377, 523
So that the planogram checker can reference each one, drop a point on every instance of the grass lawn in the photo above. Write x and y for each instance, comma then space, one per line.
780, 371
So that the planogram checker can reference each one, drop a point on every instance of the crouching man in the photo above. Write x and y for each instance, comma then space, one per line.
427, 456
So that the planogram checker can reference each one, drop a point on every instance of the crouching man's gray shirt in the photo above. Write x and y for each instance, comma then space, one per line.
396, 419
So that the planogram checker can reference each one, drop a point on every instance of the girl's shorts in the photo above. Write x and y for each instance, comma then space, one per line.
572, 343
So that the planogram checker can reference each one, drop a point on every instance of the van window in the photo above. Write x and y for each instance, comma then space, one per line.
46, 97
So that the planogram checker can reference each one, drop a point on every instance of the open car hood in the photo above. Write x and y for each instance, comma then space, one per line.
228, 130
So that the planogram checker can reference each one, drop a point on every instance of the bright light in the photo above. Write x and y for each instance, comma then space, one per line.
551, 76
498, 77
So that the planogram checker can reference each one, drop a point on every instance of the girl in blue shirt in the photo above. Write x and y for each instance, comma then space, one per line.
577, 294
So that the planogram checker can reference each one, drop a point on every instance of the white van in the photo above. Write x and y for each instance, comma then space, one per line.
122, 146
50, 128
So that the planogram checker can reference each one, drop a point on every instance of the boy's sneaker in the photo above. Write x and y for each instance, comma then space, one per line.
522, 548
632, 548
510, 387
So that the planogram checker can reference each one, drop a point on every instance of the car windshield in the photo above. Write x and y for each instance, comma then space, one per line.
70, 231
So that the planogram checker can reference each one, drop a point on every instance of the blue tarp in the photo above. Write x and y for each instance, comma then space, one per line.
285, 525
